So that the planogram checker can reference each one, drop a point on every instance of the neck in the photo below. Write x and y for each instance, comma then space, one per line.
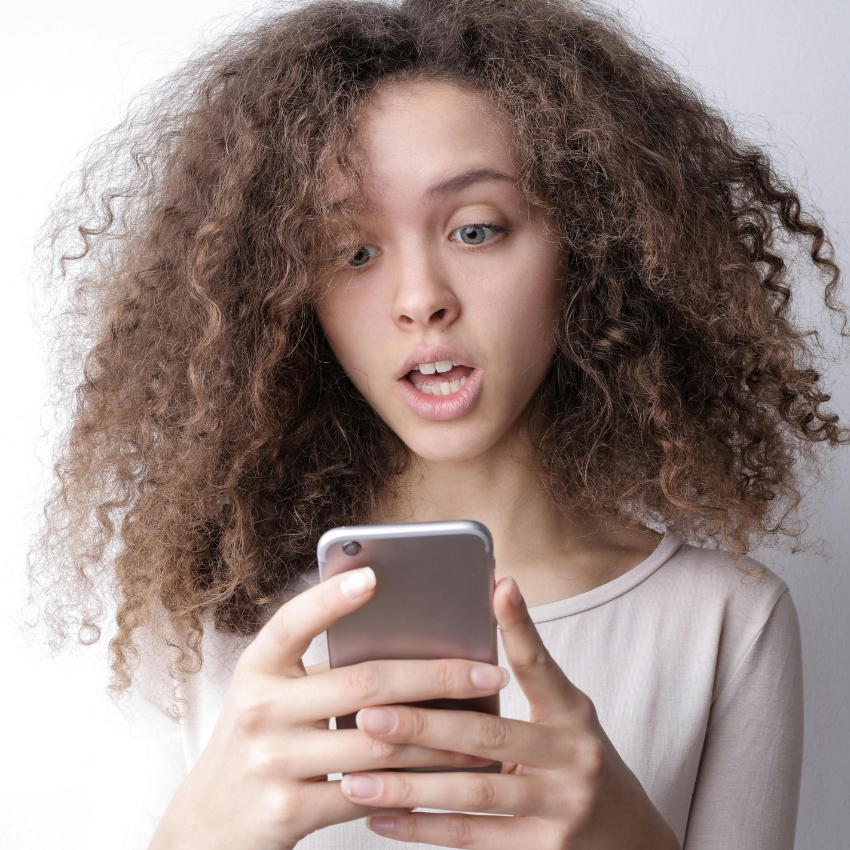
552, 553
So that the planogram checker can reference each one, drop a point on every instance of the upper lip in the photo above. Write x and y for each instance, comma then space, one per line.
432, 355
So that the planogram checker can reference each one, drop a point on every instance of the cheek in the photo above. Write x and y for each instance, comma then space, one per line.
349, 327
339, 318
526, 315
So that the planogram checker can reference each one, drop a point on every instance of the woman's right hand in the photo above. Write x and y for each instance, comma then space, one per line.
261, 783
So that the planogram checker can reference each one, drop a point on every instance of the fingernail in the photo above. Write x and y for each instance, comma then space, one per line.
357, 582
378, 721
361, 785
381, 824
489, 677
513, 592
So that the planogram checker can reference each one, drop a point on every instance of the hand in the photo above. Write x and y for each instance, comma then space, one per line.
562, 779
261, 783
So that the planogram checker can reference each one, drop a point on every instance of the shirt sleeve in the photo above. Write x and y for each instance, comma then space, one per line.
748, 784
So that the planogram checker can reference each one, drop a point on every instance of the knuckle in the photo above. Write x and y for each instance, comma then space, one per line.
364, 681
542, 658
278, 629
252, 718
283, 634
492, 732
481, 795
280, 810
262, 765
583, 805
460, 831
383, 751
539, 660
590, 757
414, 724
445, 675
585, 711
404, 790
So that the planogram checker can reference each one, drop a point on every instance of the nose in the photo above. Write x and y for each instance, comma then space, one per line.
423, 297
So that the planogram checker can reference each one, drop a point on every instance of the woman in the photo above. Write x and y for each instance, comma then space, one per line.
343, 212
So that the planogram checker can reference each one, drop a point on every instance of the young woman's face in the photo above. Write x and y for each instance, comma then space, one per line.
444, 318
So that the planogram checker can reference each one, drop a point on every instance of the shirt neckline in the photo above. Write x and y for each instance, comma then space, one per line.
667, 547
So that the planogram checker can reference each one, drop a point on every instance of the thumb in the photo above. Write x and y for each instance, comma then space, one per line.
278, 647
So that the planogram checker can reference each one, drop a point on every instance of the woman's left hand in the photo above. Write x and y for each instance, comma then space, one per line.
562, 780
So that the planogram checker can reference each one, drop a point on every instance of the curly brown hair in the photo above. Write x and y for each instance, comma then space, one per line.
213, 436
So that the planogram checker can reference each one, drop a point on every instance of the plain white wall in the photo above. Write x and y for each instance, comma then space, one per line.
67, 67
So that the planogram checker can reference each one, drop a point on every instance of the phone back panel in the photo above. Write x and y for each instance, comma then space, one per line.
433, 598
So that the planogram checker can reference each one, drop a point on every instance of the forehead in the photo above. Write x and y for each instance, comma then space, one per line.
427, 140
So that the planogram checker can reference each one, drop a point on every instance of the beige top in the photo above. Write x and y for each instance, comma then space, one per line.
695, 671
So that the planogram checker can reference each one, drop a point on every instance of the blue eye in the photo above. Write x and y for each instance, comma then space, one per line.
476, 234
362, 256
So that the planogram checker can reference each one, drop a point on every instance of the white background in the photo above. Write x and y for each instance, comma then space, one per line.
67, 67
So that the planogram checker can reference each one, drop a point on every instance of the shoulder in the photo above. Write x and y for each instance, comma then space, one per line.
714, 579
731, 606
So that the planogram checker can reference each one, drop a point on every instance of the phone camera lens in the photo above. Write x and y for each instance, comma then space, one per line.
351, 548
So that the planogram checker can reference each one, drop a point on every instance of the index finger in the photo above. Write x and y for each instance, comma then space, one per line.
281, 643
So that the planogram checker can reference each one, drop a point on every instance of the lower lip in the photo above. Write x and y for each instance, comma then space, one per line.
441, 408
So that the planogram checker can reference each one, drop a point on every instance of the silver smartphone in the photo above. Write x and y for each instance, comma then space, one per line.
434, 599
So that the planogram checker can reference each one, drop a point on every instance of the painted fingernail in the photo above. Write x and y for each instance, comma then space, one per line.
513, 592
361, 785
380, 824
489, 677
378, 721
357, 582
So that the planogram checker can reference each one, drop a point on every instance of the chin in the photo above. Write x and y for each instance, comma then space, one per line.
439, 445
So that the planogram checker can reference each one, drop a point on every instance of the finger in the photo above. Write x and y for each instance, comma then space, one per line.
345, 690
550, 693
478, 734
282, 642
325, 804
475, 832
494, 793
317, 668
349, 750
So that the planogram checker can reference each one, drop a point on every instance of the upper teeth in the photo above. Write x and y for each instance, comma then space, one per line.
438, 366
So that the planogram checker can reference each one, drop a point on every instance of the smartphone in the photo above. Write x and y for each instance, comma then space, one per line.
434, 599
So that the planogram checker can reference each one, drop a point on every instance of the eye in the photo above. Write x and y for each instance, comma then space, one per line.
362, 256
476, 234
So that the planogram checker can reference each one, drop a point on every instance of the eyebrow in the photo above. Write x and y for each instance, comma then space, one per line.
462, 180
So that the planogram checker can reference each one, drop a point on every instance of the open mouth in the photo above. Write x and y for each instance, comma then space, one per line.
440, 378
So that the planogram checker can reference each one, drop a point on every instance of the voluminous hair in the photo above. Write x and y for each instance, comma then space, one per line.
213, 436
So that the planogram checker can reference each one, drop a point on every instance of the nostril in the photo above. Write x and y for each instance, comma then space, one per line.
439, 315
